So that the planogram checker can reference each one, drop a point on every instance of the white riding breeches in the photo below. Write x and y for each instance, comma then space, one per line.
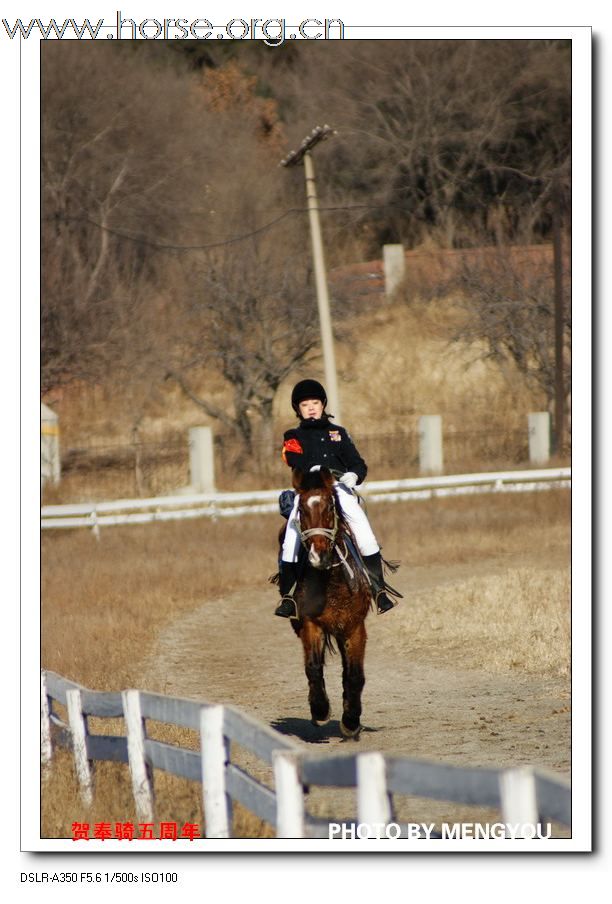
355, 517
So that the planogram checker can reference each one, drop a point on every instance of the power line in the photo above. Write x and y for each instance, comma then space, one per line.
164, 246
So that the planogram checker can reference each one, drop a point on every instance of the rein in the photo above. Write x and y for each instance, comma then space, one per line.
343, 560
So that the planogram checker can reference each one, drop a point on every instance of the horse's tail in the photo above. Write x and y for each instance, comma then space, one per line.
328, 643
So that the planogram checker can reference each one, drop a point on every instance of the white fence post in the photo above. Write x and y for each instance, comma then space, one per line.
394, 264
142, 784
518, 797
430, 444
373, 806
289, 795
201, 459
78, 729
95, 527
46, 748
539, 436
50, 467
217, 812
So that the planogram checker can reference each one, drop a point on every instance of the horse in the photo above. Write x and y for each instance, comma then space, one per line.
333, 597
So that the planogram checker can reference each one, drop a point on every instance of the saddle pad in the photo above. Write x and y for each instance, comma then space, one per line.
285, 502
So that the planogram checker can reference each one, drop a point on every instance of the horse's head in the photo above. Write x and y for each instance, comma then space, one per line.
318, 515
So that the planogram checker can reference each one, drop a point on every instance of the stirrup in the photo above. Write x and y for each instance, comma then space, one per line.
379, 610
283, 609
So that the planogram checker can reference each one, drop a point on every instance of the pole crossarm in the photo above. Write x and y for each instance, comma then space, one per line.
319, 133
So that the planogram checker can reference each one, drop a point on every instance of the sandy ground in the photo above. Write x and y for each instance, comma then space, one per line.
235, 651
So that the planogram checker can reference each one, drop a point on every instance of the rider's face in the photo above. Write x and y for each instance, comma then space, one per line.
311, 408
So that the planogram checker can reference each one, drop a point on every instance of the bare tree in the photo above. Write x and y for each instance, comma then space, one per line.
440, 139
251, 317
122, 161
247, 311
507, 295
93, 179
158, 185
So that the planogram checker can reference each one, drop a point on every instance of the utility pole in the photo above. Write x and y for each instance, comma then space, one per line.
304, 154
559, 320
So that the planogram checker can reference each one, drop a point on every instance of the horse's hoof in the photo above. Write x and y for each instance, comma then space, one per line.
322, 722
349, 733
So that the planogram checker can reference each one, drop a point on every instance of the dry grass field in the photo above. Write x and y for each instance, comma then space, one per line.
486, 581
104, 602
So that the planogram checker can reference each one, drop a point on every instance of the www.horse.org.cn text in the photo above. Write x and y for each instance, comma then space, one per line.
272, 32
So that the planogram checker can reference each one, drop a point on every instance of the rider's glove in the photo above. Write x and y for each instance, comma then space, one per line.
349, 479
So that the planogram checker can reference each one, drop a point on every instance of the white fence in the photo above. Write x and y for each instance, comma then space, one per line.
227, 505
523, 796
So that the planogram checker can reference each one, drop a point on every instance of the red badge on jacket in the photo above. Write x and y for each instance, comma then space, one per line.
291, 445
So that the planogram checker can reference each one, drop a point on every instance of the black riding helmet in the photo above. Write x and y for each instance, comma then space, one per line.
307, 389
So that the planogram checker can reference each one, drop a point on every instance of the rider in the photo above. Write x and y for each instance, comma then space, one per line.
316, 442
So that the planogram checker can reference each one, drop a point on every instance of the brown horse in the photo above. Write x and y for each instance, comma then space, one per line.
333, 596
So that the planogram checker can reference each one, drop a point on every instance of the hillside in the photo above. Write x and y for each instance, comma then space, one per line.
395, 364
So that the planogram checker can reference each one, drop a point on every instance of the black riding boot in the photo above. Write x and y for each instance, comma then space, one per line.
287, 578
375, 569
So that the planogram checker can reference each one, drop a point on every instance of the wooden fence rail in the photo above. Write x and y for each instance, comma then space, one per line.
523, 796
226, 505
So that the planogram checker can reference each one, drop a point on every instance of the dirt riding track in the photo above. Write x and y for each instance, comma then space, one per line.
421, 699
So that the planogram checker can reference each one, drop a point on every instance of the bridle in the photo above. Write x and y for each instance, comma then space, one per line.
329, 532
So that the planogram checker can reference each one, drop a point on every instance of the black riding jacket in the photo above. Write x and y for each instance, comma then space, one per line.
319, 442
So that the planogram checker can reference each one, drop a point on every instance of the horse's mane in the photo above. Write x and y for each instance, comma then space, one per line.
322, 479
313, 480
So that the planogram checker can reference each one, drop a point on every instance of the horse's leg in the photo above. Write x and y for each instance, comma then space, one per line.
352, 649
313, 641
